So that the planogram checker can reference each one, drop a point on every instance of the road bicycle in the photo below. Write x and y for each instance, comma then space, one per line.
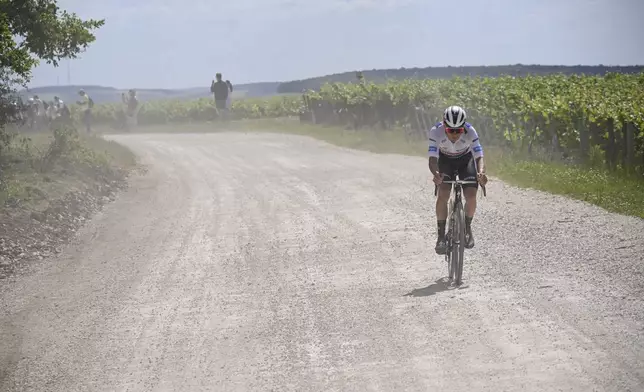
455, 230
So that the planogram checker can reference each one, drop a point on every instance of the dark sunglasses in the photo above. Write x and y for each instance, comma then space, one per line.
454, 130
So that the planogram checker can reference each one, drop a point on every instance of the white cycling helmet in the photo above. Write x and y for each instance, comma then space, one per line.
454, 117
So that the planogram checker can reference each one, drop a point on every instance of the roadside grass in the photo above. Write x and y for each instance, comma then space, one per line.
614, 191
38, 168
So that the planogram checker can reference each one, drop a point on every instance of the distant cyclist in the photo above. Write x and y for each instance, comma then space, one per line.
454, 148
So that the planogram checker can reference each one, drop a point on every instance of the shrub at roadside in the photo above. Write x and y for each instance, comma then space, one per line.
50, 183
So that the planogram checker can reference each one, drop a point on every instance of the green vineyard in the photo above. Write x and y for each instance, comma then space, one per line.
576, 114
170, 111
587, 117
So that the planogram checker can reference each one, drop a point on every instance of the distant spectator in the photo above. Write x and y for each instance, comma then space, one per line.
86, 104
40, 112
221, 91
51, 111
61, 110
132, 103
16, 112
230, 94
40, 105
32, 113
132, 107
58, 112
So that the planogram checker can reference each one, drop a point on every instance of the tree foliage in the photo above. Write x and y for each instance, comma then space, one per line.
37, 30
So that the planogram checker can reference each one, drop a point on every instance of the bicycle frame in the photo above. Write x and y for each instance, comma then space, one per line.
455, 230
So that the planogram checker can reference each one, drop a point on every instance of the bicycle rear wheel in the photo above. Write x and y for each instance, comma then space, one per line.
458, 242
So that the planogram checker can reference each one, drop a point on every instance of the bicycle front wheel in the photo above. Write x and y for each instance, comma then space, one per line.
458, 243
448, 254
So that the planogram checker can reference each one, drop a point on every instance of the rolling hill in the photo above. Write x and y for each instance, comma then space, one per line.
102, 94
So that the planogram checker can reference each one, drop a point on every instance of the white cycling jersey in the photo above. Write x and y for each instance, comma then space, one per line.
440, 144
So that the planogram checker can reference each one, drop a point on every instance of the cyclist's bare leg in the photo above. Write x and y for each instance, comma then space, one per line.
441, 201
441, 216
470, 201
470, 210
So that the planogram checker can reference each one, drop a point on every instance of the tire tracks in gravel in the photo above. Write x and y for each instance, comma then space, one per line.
275, 262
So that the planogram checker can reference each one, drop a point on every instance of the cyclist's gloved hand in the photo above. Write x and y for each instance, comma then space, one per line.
438, 179
482, 179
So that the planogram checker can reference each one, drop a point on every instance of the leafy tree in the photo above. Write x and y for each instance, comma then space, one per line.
32, 31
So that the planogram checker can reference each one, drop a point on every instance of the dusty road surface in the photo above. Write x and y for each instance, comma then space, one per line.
263, 262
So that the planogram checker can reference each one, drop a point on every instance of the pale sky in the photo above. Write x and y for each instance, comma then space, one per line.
183, 43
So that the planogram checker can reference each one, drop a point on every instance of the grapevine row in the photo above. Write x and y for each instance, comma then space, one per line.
176, 111
578, 112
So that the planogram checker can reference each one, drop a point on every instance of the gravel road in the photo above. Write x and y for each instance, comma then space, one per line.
266, 262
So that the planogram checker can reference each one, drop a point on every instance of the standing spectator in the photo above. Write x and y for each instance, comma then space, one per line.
61, 110
60, 113
220, 90
32, 113
86, 104
230, 95
132, 109
132, 103
41, 112
16, 112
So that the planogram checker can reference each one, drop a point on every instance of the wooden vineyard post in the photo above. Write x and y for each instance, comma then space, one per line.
554, 139
420, 118
584, 137
611, 147
630, 146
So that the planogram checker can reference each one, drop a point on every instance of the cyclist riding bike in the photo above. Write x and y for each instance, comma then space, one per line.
454, 148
